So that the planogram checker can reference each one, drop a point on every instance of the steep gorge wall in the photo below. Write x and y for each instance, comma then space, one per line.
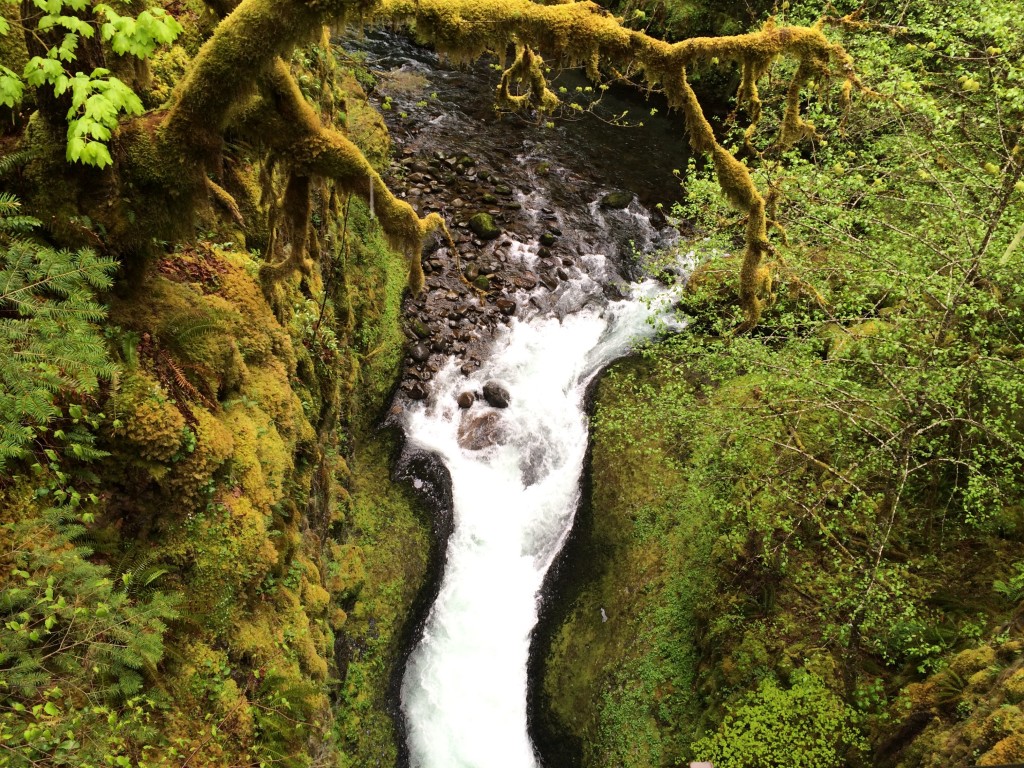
246, 476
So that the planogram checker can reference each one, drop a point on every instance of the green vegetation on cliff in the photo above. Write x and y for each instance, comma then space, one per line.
813, 531
195, 502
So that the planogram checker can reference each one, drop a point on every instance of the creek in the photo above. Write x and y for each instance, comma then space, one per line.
497, 377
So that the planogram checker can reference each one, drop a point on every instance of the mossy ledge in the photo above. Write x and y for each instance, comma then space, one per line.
432, 484
575, 568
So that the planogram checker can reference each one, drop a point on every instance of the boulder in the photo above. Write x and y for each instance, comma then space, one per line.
506, 306
481, 430
618, 199
496, 395
419, 352
419, 328
527, 280
465, 399
483, 226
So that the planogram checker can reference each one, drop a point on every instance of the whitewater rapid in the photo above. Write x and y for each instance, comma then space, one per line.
465, 684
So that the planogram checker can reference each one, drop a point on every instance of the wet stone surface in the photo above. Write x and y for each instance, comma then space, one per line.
522, 220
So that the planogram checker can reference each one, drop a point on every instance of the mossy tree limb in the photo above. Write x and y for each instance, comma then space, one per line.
285, 122
580, 33
239, 78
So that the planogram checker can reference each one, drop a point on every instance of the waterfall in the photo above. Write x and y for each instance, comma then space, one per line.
515, 474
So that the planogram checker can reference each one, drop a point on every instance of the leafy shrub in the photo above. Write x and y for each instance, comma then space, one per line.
74, 650
805, 726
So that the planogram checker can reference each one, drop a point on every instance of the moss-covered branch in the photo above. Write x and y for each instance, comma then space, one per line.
242, 56
582, 33
285, 122
245, 48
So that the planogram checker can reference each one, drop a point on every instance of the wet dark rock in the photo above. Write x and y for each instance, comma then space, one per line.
562, 274
503, 189
472, 272
417, 391
419, 328
549, 280
465, 399
483, 226
479, 431
615, 291
483, 283
527, 280
490, 199
541, 303
618, 199
419, 352
506, 306
496, 395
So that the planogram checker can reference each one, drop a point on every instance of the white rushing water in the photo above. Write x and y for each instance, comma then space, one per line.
464, 690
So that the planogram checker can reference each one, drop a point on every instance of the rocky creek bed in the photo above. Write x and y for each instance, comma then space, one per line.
526, 203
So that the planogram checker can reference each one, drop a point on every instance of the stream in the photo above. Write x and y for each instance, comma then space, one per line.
497, 373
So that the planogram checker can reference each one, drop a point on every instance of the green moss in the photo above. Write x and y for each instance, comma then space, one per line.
1014, 687
621, 689
151, 426
966, 663
383, 575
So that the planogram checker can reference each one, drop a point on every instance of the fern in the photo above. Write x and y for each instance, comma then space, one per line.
49, 342
12, 223
135, 574
71, 645
14, 160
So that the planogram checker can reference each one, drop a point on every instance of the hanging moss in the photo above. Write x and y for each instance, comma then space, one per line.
584, 33
528, 69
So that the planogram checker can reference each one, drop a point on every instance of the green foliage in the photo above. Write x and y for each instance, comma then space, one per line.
96, 102
50, 345
98, 98
849, 474
1013, 588
74, 650
804, 726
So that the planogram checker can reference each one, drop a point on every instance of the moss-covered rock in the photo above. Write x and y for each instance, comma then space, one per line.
617, 200
483, 226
